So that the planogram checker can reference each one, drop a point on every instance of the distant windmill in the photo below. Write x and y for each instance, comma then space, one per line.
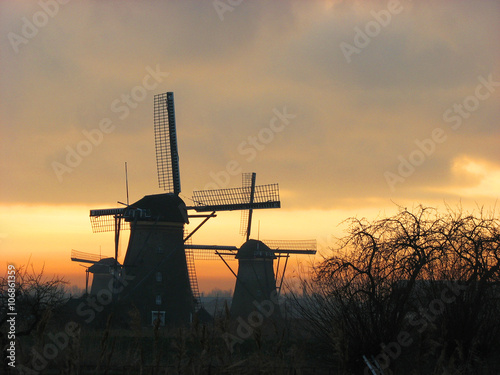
103, 270
159, 262
257, 278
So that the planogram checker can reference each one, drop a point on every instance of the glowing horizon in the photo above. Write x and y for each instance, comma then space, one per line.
353, 108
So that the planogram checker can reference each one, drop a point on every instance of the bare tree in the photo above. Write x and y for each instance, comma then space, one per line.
469, 327
384, 272
36, 298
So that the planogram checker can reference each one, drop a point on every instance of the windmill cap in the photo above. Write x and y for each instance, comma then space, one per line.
103, 265
163, 207
253, 249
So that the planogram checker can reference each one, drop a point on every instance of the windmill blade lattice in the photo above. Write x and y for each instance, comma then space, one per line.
266, 196
82, 257
211, 252
167, 157
246, 183
193, 279
104, 220
292, 246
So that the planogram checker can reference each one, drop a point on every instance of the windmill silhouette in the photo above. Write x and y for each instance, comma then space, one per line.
102, 269
159, 261
258, 279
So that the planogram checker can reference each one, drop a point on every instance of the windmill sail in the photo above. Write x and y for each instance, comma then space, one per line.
193, 280
211, 252
81, 257
248, 182
167, 157
292, 246
105, 220
265, 196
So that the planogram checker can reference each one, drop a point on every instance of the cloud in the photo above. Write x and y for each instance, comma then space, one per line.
353, 119
476, 178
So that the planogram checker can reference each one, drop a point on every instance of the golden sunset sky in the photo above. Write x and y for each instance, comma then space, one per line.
353, 107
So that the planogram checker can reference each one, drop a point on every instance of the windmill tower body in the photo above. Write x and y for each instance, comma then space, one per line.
155, 262
255, 288
103, 275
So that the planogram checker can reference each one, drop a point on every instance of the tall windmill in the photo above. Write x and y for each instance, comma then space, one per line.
159, 260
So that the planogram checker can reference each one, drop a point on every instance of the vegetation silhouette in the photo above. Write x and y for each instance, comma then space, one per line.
417, 292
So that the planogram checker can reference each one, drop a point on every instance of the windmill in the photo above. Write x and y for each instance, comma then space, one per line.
258, 280
103, 270
159, 261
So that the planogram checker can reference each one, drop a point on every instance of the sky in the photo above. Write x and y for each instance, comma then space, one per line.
353, 107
